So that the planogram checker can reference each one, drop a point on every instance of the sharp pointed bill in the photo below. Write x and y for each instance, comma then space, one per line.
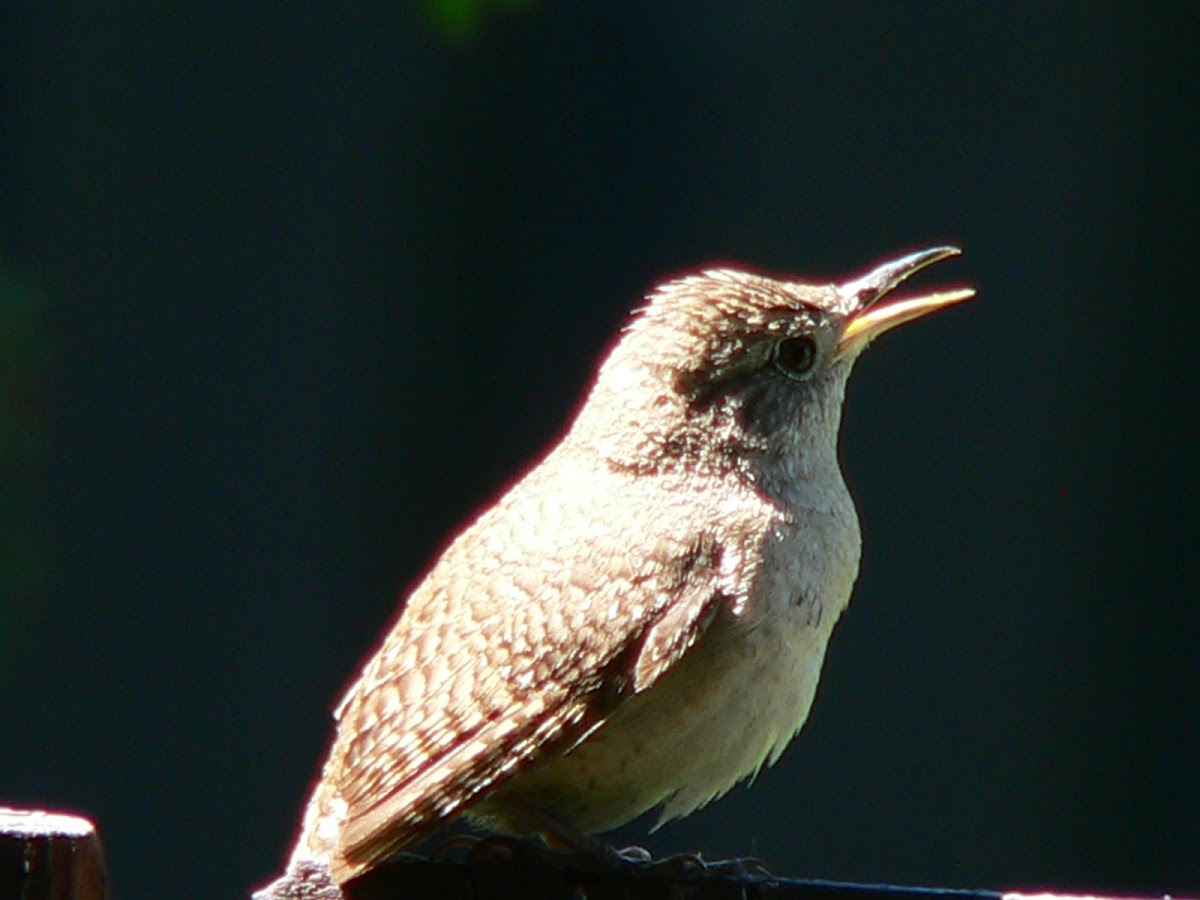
870, 315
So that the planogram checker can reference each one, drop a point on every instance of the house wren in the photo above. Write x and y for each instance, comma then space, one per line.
641, 620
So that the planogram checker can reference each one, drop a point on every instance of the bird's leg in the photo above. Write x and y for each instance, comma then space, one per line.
562, 837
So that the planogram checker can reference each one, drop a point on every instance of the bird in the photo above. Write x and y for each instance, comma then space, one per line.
641, 620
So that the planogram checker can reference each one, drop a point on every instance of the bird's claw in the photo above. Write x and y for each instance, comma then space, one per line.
692, 864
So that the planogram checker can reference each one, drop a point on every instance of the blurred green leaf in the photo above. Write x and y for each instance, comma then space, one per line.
464, 19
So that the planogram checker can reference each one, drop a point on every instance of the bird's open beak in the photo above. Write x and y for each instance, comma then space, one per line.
870, 315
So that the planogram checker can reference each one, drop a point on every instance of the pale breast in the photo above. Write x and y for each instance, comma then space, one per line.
728, 707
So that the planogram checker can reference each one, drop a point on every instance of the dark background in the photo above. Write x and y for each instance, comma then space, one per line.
292, 289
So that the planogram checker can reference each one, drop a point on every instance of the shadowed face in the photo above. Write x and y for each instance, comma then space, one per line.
726, 364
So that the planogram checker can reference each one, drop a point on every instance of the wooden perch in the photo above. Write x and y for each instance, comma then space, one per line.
543, 875
548, 876
50, 856
522, 878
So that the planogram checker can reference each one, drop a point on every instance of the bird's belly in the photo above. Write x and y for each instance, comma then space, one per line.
727, 708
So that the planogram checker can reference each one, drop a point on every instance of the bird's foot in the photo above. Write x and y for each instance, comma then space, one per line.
566, 842
693, 864
591, 849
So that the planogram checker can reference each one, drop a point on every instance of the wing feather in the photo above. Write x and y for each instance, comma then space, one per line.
521, 640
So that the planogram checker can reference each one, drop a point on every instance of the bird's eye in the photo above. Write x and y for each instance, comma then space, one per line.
795, 356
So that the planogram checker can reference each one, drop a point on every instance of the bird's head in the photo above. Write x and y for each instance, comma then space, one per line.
724, 365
